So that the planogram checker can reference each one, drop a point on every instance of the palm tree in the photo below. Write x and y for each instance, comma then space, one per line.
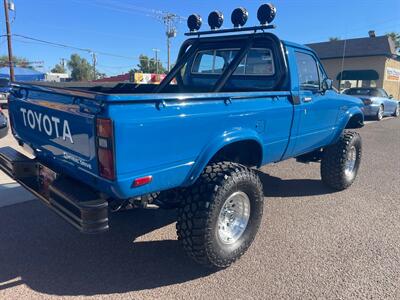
396, 39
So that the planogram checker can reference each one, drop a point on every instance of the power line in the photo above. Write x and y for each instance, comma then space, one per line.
52, 43
87, 50
169, 19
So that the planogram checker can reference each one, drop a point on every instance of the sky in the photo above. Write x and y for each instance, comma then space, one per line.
120, 30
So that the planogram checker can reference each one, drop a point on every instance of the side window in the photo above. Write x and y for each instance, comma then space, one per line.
307, 71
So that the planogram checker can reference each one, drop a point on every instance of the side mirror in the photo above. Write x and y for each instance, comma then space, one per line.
4, 82
391, 97
327, 84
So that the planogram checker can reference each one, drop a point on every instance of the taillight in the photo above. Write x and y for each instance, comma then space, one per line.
105, 148
138, 182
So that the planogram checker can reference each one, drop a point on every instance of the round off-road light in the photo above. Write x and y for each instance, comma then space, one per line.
266, 14
215, 20
194, 22
239, 17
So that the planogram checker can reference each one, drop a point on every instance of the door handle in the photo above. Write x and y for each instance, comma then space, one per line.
307, 99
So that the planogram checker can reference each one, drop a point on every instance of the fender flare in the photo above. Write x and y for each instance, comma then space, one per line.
216, 145
345, 118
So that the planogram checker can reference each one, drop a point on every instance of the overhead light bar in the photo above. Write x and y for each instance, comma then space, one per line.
266, 14
194, 22
215, 20
239, 17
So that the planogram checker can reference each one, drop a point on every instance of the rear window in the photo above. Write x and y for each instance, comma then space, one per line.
257, 62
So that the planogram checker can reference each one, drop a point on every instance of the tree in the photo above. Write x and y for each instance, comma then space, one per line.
149, 65
81, 69
396, 39
334, 38
18, 62
59, 68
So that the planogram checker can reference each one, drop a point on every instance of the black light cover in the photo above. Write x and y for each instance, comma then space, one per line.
266, 14
194, 22
239, 17
215, 20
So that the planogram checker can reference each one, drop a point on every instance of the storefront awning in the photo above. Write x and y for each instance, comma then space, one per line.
358, 75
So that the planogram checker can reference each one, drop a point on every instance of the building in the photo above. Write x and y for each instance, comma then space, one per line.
362, 62
57, 77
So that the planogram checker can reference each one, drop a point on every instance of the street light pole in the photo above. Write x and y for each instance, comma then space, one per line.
10, 53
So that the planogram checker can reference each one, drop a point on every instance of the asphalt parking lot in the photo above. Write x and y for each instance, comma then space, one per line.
313, 243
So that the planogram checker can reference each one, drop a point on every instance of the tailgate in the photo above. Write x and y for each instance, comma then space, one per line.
59, 127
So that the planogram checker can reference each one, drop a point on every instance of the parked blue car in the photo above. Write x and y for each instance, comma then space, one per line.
378, 103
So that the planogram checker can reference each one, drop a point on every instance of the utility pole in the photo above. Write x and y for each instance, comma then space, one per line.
94, 59
156, 51
10, 53
169, 21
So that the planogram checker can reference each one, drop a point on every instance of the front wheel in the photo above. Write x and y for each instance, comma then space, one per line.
341, 161
221, 214
380, 113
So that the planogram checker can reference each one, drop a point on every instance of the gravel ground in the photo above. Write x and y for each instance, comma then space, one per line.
313, 243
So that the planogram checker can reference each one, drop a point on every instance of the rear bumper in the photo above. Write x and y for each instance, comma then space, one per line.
75, 202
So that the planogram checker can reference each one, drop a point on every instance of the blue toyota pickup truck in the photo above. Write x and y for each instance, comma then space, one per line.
237, 99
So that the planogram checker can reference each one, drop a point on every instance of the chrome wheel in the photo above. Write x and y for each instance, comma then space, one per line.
233, 218
380, 113
351, 162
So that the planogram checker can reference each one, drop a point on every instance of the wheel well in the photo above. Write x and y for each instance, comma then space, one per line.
356, 121
248, 153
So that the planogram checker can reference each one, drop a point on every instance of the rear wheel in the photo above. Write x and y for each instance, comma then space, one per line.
379, 114
341, 161
221, 214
